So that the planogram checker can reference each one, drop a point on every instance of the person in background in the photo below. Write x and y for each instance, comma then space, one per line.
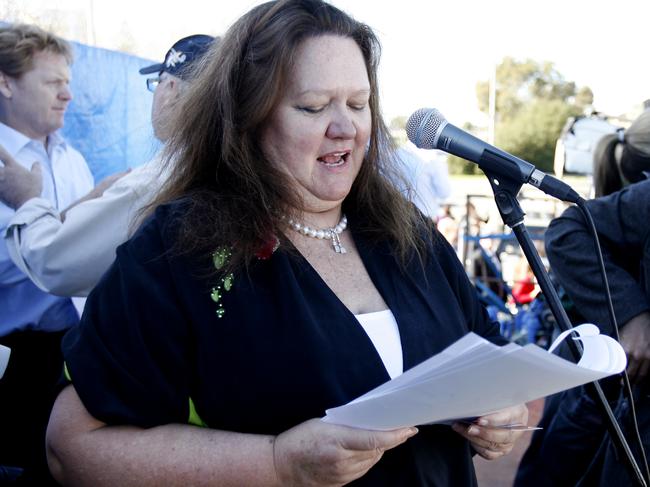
621, 158
428, 180
573, 448
67, 254
448, 226
281, 273
34, 95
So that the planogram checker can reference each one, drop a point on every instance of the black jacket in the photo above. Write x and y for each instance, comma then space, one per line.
284, 349
622, 220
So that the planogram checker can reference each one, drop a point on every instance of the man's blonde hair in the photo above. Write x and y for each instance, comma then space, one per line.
20, 42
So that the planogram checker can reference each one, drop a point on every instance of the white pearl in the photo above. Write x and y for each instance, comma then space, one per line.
326, 233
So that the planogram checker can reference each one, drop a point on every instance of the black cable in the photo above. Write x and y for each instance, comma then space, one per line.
612, 316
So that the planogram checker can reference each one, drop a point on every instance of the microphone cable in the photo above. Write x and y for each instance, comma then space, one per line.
581, 204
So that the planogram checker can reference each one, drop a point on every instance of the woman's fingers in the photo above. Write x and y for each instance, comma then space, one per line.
318, 453
490, 436
512, 415
366, 440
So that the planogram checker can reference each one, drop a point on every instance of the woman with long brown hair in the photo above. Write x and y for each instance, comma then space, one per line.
280, 274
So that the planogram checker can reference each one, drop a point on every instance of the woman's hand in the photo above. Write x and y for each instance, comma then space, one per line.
315, 453
489, 441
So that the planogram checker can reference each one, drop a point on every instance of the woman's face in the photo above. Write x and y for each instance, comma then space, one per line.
319, 130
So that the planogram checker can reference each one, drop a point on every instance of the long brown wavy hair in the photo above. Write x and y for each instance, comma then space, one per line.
233, 195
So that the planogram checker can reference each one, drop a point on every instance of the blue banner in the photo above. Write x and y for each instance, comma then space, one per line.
109, 118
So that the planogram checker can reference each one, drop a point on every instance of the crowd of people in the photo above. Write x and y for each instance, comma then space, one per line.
278, 257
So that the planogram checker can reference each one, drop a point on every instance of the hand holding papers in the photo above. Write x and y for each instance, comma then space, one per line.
473, 377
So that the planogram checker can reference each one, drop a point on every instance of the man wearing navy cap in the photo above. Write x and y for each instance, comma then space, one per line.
181, 56
80, 247
173, 74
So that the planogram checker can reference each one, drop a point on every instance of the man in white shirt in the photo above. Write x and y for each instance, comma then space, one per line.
34, 95
66, 252
428, 180
67, 256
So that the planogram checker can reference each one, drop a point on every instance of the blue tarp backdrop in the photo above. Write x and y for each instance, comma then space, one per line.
109, 119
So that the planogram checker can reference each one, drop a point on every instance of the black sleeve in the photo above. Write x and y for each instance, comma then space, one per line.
621, 220
128, 359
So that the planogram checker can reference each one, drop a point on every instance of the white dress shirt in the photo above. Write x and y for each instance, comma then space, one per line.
429, 179
68, 258
66, 178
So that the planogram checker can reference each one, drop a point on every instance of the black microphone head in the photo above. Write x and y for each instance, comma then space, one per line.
424, 126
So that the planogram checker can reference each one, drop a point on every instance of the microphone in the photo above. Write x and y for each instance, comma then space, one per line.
427, 128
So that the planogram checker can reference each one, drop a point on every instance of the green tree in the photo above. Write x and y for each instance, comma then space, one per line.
533, 101
456, 165
532, 133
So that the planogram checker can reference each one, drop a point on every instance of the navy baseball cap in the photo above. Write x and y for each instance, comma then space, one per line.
181, 55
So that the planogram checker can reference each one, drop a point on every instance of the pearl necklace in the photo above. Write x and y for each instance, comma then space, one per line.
327, 233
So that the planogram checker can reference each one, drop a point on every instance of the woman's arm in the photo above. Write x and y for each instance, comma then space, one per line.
84, 451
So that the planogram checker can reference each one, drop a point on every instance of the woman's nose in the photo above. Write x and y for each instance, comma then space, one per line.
341, 126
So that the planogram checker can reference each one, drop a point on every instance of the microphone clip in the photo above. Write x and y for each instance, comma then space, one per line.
505, 196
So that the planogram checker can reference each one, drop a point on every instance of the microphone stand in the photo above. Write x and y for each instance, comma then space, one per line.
505, 195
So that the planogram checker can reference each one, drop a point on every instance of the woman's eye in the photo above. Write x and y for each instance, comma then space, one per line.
358, 106
311, 109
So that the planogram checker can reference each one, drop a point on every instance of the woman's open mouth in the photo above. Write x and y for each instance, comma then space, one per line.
335, 159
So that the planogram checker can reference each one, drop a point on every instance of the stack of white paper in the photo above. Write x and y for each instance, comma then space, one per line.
473, 377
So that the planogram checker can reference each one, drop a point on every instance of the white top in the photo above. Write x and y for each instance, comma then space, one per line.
382, 330
66, 178
68, 258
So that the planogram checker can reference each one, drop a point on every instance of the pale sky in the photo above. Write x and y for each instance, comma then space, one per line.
434, 52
